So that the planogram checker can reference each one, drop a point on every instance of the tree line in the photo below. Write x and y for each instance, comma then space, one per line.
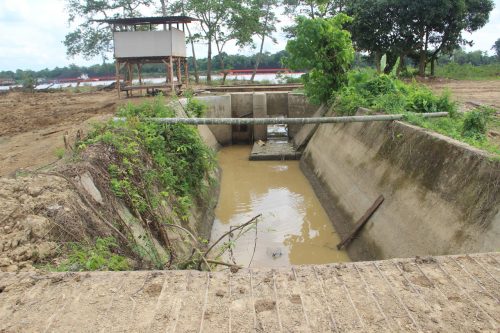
475, 58
232, 61
411, 31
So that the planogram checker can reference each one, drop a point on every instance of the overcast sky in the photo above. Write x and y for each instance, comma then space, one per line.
32, 31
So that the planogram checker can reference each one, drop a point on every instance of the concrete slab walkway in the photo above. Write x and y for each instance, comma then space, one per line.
435, 294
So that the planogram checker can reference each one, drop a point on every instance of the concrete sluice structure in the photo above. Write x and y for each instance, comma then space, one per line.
441, 195
433, 294
441, 202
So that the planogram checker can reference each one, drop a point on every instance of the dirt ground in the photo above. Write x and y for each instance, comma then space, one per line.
32, 126
400, 295
23, 233
470, 94
484, 92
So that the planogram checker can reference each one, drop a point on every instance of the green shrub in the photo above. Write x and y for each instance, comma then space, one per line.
29, 82
387, 94
348, 101
158, 170
445, 104
324, 48
475, 123
422, 100
378, 85
180, 161
391, 103
195, 108
384, 93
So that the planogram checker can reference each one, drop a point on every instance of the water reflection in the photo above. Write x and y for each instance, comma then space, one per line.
294, 228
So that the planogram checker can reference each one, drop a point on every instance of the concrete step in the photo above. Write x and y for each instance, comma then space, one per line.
274, 150
435, 294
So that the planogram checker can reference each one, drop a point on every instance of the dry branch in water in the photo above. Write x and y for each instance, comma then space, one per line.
241, 226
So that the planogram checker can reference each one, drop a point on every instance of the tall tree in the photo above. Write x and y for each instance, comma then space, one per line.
314, 8
264, 14
307, 8
213, 15
445, 32
191, 40
163, 7
239, 28
421, 29
371, 27
180, 8
221, 21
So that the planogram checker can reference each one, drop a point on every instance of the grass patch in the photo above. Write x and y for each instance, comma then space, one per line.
97, 257
59, 152
454, 127
468, 71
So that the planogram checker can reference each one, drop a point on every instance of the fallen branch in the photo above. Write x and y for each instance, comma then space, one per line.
216, 262
361, 222
183, 229
254, 246
195, 242
253, 220
231, 230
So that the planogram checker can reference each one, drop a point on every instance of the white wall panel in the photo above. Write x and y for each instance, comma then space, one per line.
134, 44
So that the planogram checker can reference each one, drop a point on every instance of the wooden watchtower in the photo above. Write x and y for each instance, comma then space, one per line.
147, 40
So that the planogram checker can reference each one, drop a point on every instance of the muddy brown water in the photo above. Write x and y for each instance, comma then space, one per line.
294, 228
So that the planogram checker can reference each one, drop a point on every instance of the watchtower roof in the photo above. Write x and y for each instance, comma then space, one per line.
149, 20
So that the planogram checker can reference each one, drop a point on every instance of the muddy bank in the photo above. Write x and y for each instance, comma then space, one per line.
441, 196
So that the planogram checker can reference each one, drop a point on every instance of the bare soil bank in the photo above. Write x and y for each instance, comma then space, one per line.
41, 212
72, 201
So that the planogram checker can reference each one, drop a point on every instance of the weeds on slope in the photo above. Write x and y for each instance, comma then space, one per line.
384, 93
172, 155
99, 257
158, 170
